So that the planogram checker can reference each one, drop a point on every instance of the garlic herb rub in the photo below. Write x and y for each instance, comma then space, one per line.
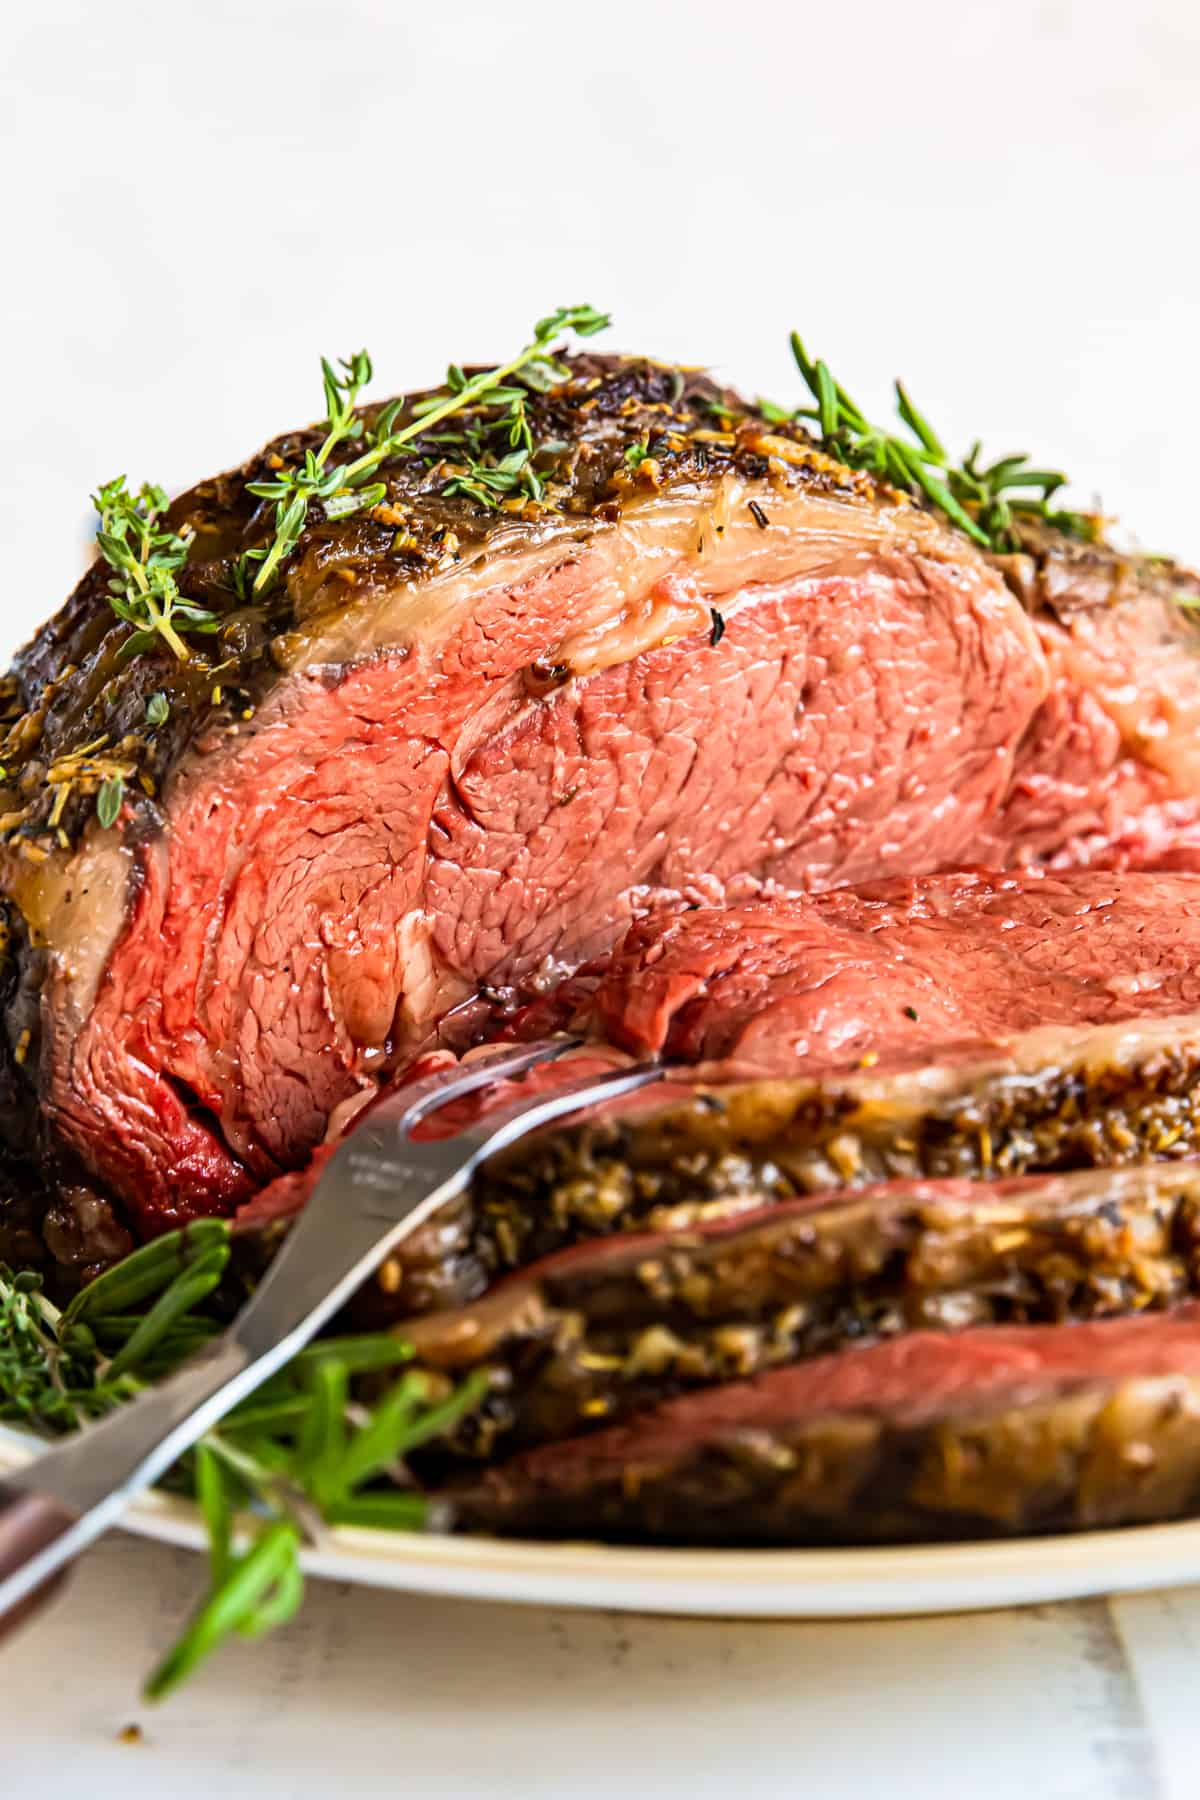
493, 439
191, 611
372, 496
471, 439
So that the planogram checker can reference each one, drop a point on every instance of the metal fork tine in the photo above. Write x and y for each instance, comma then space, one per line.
377, 1189
409, 1105
498, 1129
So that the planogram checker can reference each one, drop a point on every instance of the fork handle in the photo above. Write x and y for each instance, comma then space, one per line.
29, 1524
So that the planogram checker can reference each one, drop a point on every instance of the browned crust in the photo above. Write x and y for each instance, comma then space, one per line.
589, 1337
1055, 573
70, 687
1083, 1455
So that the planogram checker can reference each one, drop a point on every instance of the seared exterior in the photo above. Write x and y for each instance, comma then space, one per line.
1021, 1429
70, 685
600, 1331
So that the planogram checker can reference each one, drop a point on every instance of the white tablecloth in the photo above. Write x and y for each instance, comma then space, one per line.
381, 1694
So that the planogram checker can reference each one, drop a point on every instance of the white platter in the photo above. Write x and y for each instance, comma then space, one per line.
768, 1584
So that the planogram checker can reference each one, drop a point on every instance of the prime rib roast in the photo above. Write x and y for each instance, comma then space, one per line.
716, 751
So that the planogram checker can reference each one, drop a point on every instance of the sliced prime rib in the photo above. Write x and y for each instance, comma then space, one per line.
457, 749
966, 1025
893, 976
601, 1330
1000, 1429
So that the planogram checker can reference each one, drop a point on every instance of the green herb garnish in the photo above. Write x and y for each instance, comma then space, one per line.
158, 709
109, 797
341, 489
144, 556
300, 1448
982, 501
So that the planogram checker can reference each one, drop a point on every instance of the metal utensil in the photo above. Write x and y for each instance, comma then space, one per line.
378, 1188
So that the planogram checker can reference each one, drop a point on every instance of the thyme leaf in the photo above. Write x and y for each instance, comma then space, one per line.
144, 555
109, 798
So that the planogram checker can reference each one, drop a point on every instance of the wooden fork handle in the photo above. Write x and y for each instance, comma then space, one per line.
29, 1523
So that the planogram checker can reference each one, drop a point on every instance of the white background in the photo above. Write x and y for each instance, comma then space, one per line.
996, 201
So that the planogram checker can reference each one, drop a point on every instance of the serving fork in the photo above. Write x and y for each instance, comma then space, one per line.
379, 1187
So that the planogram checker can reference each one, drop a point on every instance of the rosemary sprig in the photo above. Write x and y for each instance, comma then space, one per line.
982, 501
144, 556
299, 1449
342, 489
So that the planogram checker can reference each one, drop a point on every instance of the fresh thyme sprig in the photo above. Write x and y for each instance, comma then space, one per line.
982, 501
342, 489
294, 490
301, 1449
144, 556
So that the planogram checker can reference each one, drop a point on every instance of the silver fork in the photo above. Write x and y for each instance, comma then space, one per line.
379, 1187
